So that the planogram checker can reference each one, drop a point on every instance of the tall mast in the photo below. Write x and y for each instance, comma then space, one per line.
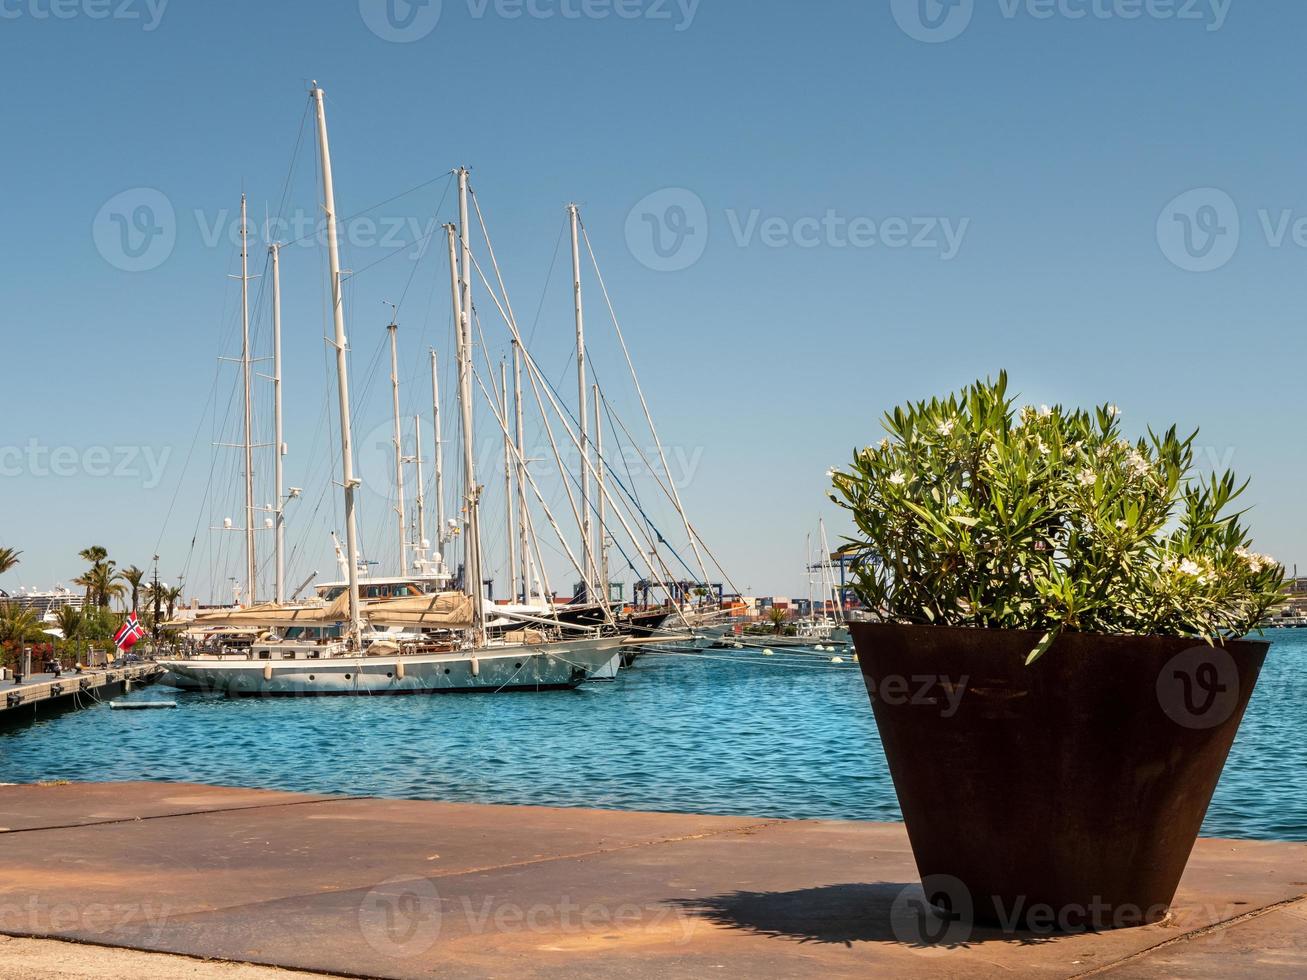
350, 484
471, 548
599, 482
522, 517
421, 500
248, 442
472, 493
510, 570
441, 532
279, 516
574, 214
393, 330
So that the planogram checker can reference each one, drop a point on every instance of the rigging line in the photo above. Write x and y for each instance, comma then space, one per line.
617, 328
373, 207
436, 217
549, 277
290, 171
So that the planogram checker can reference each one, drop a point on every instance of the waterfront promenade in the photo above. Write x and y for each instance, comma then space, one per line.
360, 886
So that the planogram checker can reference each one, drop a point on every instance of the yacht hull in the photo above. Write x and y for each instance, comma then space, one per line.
554, 666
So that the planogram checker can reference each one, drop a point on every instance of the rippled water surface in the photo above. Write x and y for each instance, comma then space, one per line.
676, 733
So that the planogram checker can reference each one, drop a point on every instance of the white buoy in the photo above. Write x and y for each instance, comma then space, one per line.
768, 653
476, 667
267, 672
837, 660
399, 670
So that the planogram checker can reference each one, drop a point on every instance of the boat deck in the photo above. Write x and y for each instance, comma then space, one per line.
392, 888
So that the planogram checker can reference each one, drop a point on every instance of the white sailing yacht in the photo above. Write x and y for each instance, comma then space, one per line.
321, 649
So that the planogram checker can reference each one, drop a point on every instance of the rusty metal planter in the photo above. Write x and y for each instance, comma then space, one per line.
1067, 794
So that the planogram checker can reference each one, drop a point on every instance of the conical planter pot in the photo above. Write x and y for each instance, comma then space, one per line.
1062, 796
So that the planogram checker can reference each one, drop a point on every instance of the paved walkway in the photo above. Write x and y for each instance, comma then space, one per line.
410, 889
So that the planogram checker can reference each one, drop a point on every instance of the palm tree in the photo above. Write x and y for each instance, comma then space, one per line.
105, 584
8, 559
17, 623
97, 556
133, 576
69, 621
777, 617
172, 597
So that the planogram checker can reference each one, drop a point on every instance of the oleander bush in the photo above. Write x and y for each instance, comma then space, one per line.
974, 513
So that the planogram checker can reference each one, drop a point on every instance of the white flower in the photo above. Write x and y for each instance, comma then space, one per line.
832, 473
946, 427
1121, 525
1087, 477
1113, 411
1137, 463
897, 478
1045, 412
1190, 567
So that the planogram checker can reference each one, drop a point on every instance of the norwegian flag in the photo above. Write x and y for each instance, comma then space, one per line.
129, 634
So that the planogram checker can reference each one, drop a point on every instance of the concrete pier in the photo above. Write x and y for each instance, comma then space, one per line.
360, 886
42, 694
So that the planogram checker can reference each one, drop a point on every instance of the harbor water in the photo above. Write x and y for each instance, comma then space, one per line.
715, 733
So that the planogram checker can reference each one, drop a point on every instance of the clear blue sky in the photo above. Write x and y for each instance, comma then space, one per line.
1034, 157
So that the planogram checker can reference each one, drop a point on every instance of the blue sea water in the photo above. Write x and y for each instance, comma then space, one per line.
678, 733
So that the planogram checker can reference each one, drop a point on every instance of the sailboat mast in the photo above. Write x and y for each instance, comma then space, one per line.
510, 570
441, 532
471, 548
574, 215
420, 501
248, 442
350, 484
279, 516
522, 516
599, 503
393, 330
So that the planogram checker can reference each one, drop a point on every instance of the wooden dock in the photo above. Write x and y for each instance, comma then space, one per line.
43, 694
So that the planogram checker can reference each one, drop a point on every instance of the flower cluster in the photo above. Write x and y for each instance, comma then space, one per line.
973, 512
